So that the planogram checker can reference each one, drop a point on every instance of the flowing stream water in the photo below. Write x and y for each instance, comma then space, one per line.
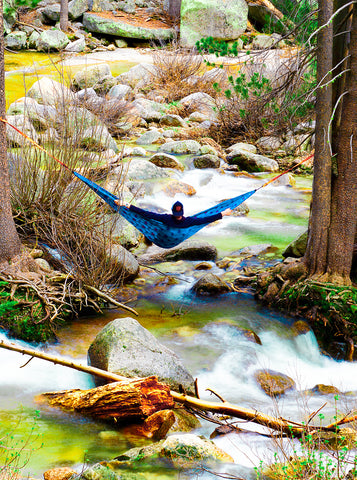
202, 331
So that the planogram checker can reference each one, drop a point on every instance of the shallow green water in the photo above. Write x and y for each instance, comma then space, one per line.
23, 69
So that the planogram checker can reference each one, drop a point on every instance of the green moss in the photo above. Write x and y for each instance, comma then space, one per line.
25, 317
335, 308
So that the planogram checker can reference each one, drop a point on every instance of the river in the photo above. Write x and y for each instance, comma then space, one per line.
199, 330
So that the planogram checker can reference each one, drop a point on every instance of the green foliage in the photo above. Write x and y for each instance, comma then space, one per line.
330, 299
15, 451
24, 316
218, 47
11, 6
320, 455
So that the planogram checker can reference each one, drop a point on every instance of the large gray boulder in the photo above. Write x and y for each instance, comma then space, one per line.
135, 74
15, 40
97, 24
187, 250
90, 76
209, 18
41, 116
297, 247
76, 8
23, 124
49, 92
210, 284
123, 263
126, 348
98, 138
52, 41
140, 169
200, 102
77, 46
52, 12
252, 162
181, 146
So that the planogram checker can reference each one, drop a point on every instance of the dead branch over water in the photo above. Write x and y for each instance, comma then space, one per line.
82, 400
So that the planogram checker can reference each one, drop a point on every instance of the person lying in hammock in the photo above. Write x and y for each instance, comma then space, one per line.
176, 219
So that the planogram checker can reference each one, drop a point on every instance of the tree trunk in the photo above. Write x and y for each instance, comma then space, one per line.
9, 240
64, 16
316, 253
344, 193
129, 399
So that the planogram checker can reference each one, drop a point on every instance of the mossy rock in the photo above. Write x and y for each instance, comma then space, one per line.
274, 383
343, 438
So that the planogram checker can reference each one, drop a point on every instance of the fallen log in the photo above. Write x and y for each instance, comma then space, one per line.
129, 399
280, 425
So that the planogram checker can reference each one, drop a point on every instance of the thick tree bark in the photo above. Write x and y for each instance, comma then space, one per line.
129, 399
64, 16
316, 253
344, 194
9, 240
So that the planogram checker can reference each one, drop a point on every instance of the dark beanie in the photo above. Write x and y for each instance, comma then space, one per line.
177, 209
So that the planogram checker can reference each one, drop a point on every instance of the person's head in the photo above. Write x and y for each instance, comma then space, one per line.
177, 210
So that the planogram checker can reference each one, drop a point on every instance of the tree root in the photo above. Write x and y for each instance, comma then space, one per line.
47, 301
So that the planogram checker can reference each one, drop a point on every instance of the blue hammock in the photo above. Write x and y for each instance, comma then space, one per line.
155, 231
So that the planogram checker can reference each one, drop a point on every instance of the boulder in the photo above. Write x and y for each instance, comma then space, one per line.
297, 144
140, 169
15, 40
163, 160
77, 46
60, 473
98, 138
172, 120
197, 117
187, 250
121, 231
76, 8
148, 110
174, 187
49, 92
208, 149
126, 348
139, 152
262, 41
149, 137
98, 24
23, 124
90, 76
33, 38
269, 143
321, 389
181, 146
253, 250
240, 146
252, 162
52, 41
210, 284
41, 116
120, 92
123, 263
200, 102
133, 76
181, 450
209, 18
121, 43
206, 161
52, 12
297, 247
274, 383
86, 94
